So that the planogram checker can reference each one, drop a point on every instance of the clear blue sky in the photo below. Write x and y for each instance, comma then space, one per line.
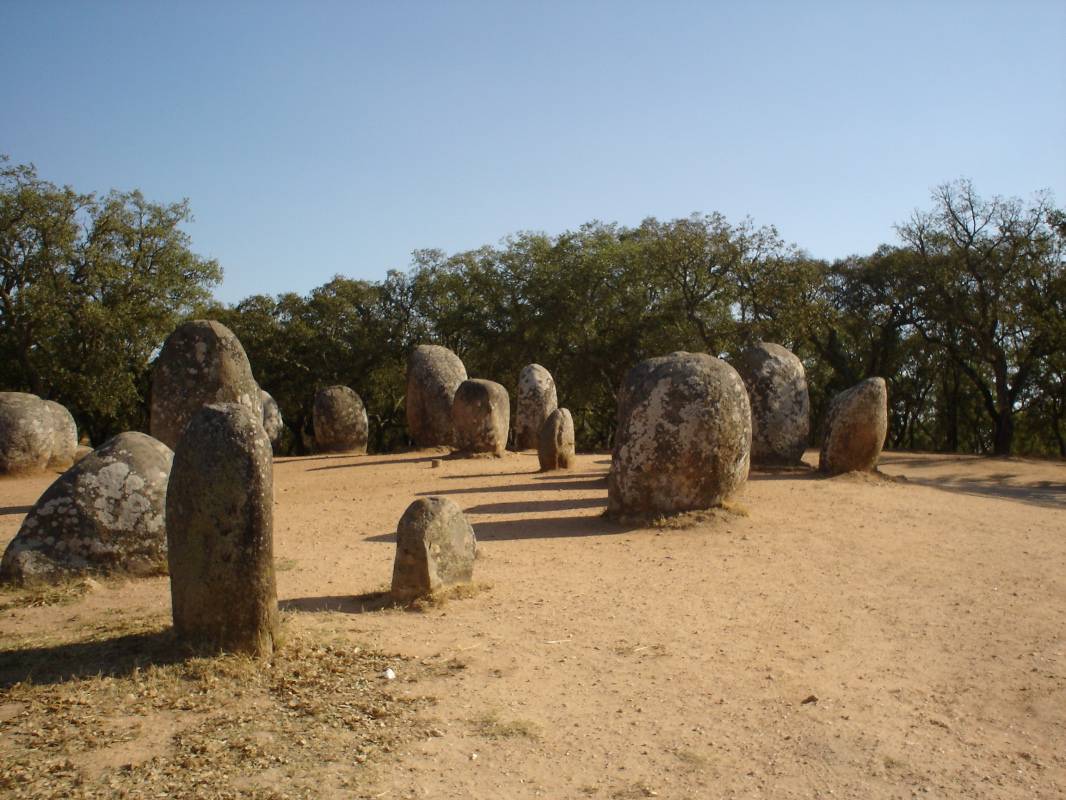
316, 138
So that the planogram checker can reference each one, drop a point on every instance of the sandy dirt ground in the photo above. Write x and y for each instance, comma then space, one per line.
859, 637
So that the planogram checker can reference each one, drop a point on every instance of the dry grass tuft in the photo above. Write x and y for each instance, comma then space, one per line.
490, 726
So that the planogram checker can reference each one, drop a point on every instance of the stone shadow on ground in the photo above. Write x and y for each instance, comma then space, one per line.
115, 657
12, 510
575, 526
533, 506
375, 463
583, 485
342, 603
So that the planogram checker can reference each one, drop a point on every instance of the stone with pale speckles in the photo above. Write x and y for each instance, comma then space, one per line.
555, 446
780, 404
537, 399
220, 533
855, 428
64, 436
201, 362
433, 375
683, 439
105, 515
481, 414
26, 430
435, 547
273, 423
340, 421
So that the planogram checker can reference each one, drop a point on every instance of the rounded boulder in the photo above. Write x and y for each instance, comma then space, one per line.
201, 362
780, 404
555, 445
433, 375
340, 421
683, 439
537, 399
435, 547
481, 416
105, 515
26, 433
64, 436
855, 428
273, 423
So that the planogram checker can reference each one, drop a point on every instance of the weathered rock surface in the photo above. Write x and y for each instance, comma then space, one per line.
433, 375
780, 404
555, 446
537, 399
340, 421
435, 547
26, 430
683, 437
272, 421
64, 436
220, 533
481, 415
855, 428
201, 362
104, 515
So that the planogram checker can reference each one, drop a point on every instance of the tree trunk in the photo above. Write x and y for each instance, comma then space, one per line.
1004, 432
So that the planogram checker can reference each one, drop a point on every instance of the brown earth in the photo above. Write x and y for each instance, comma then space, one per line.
862, 636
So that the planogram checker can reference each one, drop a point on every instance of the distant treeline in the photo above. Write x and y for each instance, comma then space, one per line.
965, 317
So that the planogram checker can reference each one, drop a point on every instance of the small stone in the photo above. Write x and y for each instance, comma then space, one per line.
808, 700
433, 375
481, 416
436, 463
220, 533
340, 421
555, 446
389, 674
435, 547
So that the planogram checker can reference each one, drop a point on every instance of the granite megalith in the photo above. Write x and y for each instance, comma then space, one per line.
340, 421
201, 362
555, 445
433, 375
26, 433
64, 436
220, 533
855, 428
780, 404
537, 399
273, 423
435, 547
106, 515
481, 416
683, 438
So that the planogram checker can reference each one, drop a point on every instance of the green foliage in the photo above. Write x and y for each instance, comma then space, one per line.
89, 288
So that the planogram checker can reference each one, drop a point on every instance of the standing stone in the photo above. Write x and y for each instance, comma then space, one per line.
433, 375
64, 436
537, 399
555, 447
26, 430
481, 415
220, 533
435, 547
340, 421
855, 428
272, 421
780, 404
105, 515
201, 362
683, 437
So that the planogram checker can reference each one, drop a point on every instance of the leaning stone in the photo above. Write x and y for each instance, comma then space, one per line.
220, 533
103, 516
201, 362
272, 421
555, 448
537, 399
435, 547
64, 436
433, 375
780, 404
340, 421
481, 415
26, 430
683, 437
855, 428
